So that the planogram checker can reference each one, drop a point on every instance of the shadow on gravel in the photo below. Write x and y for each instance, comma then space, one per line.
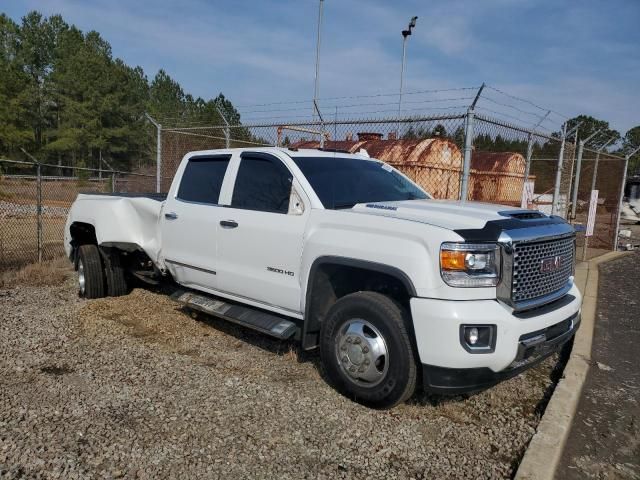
283, 348
556, 374
56, 370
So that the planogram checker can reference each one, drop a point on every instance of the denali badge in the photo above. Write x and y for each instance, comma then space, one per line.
551, 264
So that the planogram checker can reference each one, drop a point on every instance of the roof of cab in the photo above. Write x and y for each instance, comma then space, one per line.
302, 152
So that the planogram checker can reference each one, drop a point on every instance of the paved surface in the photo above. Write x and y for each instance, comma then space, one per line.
605, 439
135, 387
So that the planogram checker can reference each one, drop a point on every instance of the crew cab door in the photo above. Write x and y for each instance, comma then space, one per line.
260, 236
190, 220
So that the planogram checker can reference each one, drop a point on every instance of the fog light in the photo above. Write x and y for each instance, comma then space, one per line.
472, 336
478, 338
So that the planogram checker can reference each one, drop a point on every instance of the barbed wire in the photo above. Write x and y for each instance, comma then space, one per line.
359, 114
510, 108
346, 97
356, 105
514, 97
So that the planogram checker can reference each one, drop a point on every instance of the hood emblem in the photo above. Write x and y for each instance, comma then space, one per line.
551, 264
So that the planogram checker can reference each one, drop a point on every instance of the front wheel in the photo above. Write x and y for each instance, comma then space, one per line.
366, 349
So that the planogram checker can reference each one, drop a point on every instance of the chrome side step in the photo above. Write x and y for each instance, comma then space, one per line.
268, 323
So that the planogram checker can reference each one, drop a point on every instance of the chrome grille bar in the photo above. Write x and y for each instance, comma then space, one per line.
541, 269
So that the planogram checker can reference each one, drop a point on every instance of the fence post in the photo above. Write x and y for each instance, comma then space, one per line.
527, 168
38, 202
556, 188
576, 184
227, 132
322, 131
39, 210
113, 182
595, 167
158, 151
468, 147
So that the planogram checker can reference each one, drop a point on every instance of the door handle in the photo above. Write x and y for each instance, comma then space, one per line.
228, 223
171, 215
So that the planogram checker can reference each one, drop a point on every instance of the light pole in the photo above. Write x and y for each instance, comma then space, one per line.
405, 34
316, 86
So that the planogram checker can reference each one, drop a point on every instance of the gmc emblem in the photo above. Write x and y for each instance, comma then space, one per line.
551, 264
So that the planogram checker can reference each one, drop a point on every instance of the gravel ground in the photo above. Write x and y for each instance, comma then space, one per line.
135, 387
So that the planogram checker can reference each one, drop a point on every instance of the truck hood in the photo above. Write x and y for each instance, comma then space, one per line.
449, 214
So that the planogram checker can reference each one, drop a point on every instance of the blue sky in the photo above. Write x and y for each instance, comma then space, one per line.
572, 56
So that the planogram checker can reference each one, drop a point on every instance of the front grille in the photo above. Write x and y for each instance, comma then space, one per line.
530, 279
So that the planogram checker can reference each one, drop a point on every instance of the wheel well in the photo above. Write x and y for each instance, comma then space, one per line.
81, 234
332, 279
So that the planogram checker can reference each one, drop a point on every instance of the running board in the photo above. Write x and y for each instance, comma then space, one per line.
253, 318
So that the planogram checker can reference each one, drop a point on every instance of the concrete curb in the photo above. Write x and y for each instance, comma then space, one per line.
544, 452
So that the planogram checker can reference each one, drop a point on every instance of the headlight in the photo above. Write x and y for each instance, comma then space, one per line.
470, 264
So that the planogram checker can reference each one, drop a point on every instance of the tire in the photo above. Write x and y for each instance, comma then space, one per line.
115, 273
91, 282
366, 350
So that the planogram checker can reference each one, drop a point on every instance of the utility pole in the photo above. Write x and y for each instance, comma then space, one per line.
316, 86
158, 151
576, 184
405, 34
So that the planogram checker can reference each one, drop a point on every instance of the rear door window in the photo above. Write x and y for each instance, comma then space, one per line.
202, 179
263, 183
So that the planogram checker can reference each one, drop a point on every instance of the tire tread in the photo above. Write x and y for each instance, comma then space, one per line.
115, 274
93, 271
399, 319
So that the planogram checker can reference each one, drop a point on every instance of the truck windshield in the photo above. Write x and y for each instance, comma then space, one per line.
345, 182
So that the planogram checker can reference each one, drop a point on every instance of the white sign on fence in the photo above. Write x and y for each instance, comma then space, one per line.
527, 194
591, 219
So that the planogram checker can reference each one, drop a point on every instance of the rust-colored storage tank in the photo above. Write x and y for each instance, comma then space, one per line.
497, 177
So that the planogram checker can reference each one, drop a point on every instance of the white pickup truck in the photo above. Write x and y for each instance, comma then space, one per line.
344, 253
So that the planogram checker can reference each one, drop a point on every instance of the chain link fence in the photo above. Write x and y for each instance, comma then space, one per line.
499, 160
491, 159
35, 200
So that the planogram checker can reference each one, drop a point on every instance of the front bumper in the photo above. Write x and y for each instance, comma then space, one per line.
522, 340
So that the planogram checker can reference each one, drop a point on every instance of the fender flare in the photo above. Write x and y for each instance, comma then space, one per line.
310, 326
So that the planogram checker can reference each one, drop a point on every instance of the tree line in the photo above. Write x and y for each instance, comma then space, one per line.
66, 100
